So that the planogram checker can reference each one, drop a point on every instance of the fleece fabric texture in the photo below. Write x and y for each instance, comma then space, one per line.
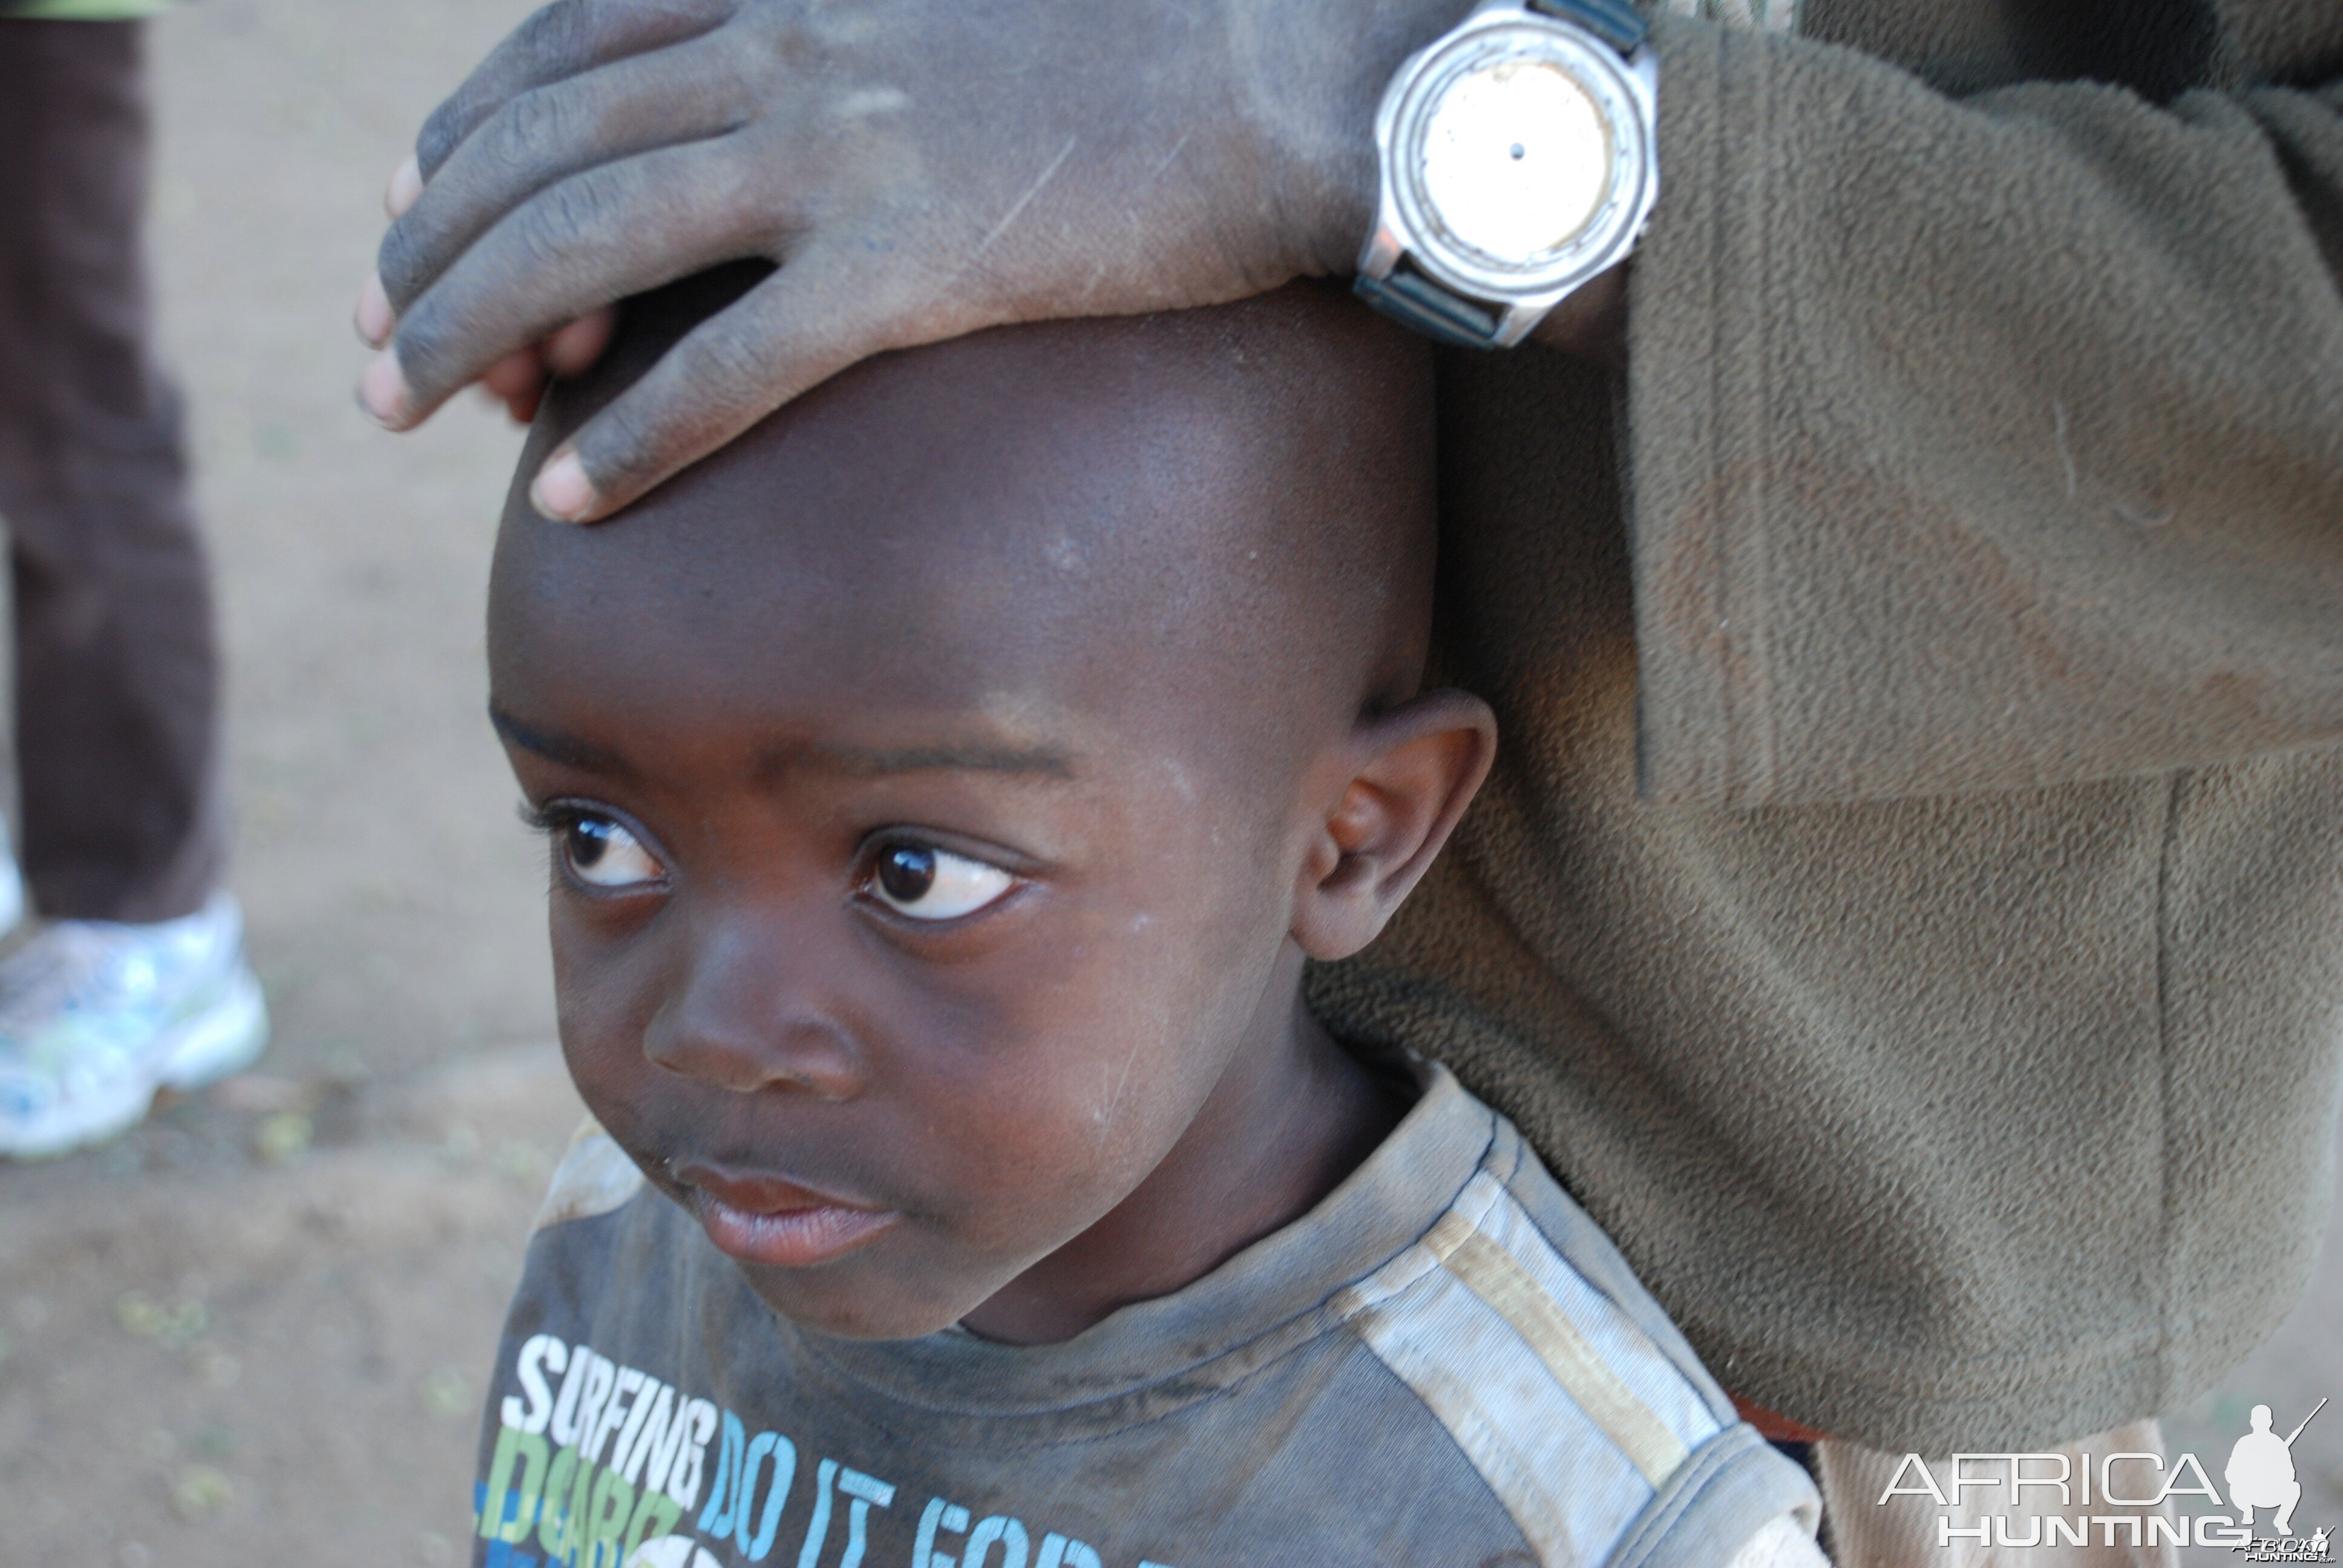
1908, 910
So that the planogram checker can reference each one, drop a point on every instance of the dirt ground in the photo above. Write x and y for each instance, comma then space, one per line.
255, 1332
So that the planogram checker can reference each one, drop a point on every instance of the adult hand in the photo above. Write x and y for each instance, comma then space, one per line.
917, 171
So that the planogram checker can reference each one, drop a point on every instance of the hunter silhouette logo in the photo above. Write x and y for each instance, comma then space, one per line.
2261, 1472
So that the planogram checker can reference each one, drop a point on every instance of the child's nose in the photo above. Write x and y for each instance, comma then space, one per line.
753, 1013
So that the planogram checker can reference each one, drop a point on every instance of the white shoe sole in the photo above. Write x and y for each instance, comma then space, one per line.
206, 1048
228, 1038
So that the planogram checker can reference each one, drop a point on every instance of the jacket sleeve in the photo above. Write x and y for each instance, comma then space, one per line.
1979, 442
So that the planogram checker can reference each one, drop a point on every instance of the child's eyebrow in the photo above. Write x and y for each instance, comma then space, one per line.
854, 762
566, 749
865, 763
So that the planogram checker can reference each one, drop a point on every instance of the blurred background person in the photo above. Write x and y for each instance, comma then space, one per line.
137, 980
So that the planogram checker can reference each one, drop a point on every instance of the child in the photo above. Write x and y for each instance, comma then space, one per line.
947, 783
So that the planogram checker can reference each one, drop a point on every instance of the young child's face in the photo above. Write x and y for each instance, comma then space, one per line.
922, 866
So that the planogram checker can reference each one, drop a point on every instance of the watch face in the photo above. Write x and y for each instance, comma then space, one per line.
1517, 158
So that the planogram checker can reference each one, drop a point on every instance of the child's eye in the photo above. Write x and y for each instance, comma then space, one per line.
932, 884
602, 853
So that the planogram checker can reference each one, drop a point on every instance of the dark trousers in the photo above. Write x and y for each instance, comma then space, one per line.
117, 678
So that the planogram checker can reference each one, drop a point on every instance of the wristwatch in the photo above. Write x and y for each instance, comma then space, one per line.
1519, 159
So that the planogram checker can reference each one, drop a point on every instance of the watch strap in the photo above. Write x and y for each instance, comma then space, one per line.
1413, 300
1615, 22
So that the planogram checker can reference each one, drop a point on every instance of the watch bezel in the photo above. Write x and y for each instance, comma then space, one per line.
1410, 222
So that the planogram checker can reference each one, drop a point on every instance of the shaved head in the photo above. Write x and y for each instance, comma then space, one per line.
1230, 509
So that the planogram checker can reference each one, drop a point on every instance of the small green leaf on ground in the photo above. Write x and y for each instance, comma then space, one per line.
282, 1138
200, 1493
144, 1317
446, 1394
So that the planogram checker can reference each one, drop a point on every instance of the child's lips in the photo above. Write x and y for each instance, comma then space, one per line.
765, 1220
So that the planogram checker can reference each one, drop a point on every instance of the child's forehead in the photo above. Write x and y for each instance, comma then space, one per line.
955, 508
1167, 519
844, 617
1047, 545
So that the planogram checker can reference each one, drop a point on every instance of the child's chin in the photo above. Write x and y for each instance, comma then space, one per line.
862, 1311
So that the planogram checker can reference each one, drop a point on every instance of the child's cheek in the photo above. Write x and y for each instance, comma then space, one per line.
605, 996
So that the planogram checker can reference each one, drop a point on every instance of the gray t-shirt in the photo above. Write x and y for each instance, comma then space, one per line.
1444, 1362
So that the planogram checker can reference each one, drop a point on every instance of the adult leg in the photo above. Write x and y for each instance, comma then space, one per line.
138, 982
116, 677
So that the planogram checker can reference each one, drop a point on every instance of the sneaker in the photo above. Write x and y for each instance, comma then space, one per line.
96, 1016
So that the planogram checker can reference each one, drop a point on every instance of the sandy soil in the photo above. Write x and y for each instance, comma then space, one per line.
253, 1332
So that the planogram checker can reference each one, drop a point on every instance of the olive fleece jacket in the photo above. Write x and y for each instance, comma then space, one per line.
1908, 910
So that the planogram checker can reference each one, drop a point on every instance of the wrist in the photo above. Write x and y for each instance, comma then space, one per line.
1346, 187
1314, 74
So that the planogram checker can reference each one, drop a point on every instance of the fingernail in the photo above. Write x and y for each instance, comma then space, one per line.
374, 317
562, 491
406, 184
382, 390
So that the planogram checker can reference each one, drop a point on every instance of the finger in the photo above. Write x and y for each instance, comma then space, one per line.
516, 374
687, 94
573, 350
561, 40
799, 326
519, 411
374, 317
595, 237
406, 184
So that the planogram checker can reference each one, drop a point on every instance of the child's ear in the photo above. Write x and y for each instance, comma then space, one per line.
1413, 771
